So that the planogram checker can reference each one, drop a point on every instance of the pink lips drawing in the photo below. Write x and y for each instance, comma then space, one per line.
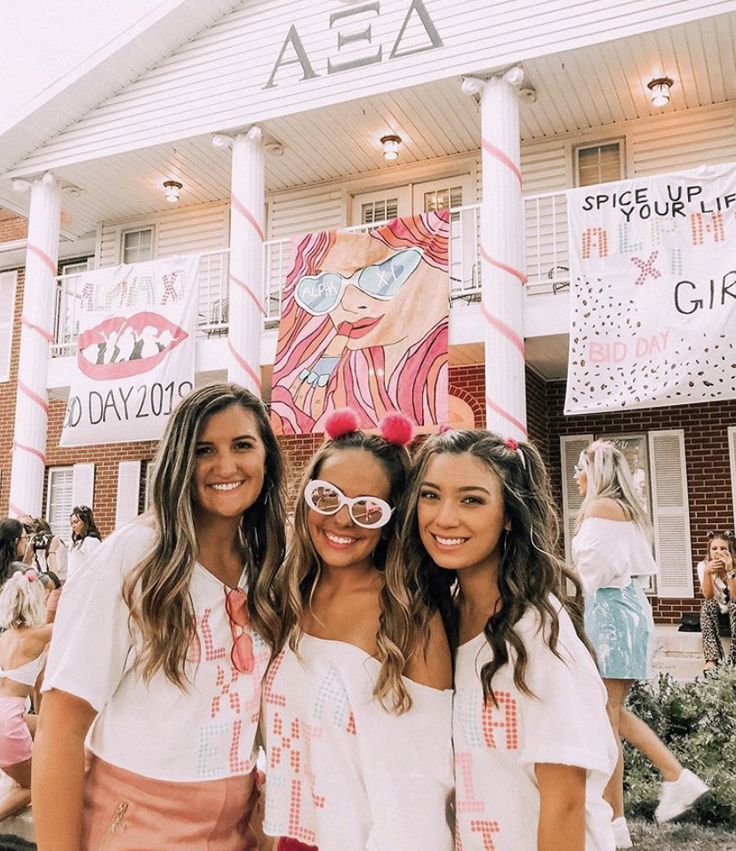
356, 330
111, 330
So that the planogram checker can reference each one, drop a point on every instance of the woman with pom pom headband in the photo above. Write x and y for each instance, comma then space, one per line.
357, 633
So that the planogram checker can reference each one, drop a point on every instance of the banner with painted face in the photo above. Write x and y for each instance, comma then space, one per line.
365, 325
135, 350
653, 300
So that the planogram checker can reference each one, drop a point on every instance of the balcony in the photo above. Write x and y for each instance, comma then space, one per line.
546, 263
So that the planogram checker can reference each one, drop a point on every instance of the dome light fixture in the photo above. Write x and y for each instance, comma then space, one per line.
172, 190
391, 145
660, 90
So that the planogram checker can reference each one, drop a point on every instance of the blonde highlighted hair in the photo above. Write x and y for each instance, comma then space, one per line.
404, 620
22, 601
157, 590
608, 475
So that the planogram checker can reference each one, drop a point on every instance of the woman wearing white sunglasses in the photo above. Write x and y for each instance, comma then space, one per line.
357, 702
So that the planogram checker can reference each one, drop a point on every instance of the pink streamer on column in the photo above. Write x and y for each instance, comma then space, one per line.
506, 415
506, 330
248, 291
33, 396
246, 214
245, 365
44, 257
31, 450
18, 511
39, 330
503, 266
503, 158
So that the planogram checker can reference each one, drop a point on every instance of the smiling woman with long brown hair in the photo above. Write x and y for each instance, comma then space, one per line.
162, 642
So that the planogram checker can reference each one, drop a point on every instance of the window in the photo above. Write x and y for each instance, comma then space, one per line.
7, 311
599, 163
373, 212
137, 245
59, 499
443, 199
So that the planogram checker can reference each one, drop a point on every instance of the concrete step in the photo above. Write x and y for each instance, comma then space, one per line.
680, 654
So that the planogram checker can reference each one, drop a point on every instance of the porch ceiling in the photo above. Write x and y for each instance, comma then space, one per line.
577, 91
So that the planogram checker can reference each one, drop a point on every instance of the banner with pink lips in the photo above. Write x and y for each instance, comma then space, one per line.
135, 349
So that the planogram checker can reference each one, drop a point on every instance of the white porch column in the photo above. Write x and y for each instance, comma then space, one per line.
246, 259
39, 302
502, 252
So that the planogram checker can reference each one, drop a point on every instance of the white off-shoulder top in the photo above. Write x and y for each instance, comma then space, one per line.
608, 553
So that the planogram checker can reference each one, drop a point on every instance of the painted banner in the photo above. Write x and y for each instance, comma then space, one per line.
135, 351
365, 325
653, 301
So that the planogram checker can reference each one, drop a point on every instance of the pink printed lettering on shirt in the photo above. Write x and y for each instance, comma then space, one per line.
466, 800
486, 830
509, 724
269, 695
211, 653
225, 686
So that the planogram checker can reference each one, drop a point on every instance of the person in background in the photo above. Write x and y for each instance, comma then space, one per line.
161, 644
45, 551
611, 549
14, 539
23, 616
86, 538
717, 575
533, 745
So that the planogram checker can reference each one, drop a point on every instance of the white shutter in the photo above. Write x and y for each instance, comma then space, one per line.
8, 281
83, 489
59, 500
570, 448
671, 513
732, 456
129, 485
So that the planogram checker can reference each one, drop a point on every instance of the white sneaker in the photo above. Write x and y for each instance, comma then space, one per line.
621, 833
679, 795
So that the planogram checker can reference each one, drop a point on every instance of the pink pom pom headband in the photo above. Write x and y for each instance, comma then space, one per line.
395, 428
513, 446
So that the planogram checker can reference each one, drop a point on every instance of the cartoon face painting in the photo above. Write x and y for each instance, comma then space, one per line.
365, 325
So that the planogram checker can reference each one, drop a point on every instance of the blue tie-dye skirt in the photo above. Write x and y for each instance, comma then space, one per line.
619, 625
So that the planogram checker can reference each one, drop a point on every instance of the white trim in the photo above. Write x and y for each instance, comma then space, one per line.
9, 279
732, 456
569, 511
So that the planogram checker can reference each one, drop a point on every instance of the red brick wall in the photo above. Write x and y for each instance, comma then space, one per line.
707, 463
12, 226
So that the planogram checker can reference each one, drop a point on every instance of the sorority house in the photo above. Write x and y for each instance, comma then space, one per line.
223, 128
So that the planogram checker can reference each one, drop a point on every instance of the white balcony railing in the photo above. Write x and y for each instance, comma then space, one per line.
546, 262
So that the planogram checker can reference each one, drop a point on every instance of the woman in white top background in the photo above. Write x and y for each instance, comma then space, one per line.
86, 538
162, 642
611, 549
533, 746
357, 703
22, 645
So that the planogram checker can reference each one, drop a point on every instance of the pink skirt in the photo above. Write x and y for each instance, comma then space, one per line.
15, 737
124, 811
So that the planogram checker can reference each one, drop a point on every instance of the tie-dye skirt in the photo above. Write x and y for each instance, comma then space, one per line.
620, 626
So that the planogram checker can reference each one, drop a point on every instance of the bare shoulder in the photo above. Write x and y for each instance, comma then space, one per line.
432, 666
605, 508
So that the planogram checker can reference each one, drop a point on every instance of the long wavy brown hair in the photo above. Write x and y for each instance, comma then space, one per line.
404, 621
157, 590
529, 571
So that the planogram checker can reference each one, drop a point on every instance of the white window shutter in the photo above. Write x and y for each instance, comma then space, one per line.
129, 485
732, 456
59, 500
671, 513
83, 489
570, 448
8, 281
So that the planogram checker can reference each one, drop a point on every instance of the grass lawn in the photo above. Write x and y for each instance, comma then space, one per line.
648, 836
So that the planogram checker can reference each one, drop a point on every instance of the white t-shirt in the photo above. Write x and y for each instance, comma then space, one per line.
608, 553
720, 589
497, 747
344, 774
155, 729
79, 553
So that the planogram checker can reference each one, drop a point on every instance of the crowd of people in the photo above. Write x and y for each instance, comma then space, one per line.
417, 667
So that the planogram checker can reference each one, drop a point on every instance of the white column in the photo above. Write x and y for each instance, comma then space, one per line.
39, 302
502, 252
246, 259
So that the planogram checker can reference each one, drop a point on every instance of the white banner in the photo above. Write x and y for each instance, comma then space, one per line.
135, 350
653, 301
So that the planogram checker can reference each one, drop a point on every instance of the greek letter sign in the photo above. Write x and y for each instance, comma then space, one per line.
653, 302
135, 350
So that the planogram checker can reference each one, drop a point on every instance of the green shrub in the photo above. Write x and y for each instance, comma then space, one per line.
697, 721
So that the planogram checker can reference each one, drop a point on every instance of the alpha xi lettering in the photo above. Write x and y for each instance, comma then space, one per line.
356, 46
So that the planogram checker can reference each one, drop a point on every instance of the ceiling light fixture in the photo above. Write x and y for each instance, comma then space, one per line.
172, 189
391, 145
660, 90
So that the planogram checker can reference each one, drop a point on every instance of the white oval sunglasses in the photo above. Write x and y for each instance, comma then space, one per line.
370, 512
